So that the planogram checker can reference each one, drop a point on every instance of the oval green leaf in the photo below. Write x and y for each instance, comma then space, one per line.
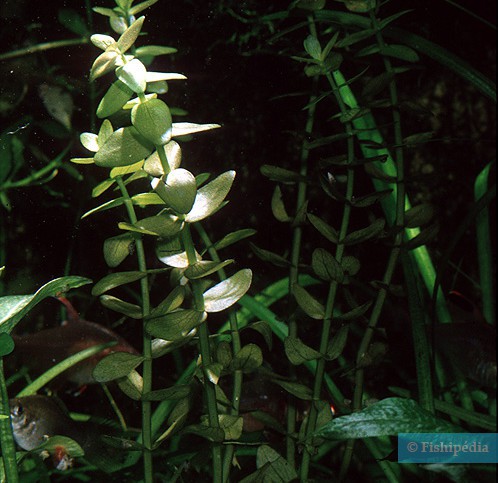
114, 280
115, 366
175, 325
178, 190
227, 292
153, 121
210, 197
124, 147
309, 304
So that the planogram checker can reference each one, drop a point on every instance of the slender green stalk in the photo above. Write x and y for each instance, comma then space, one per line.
419, 335
146, 340
484, 251
396, 216
8, 446
297, 234
331, 296
43, 175
367, 131
205, 352
33, 49
236, 346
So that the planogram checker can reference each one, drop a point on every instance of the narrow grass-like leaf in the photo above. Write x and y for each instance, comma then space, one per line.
62, 366
14, 307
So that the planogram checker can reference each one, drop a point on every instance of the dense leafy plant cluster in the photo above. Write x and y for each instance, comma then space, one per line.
296, 397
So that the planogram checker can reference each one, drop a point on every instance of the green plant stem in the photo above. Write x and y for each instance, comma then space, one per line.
297, 234
205, 352
419, 336
42, 47
236, 346
484, 251
49, 171
367, 131
387, 466
396, 216
6, 438
331, 296
146, 340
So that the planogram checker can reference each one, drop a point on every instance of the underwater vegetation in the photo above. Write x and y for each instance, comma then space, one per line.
245, 241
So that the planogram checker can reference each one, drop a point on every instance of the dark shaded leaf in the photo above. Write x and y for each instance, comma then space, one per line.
115, 366
337, 343
354, 313
114, 280
275, 173
278, 207
298, 352
175, 392
326, 230
308, 304
419, 215
425, 236
326, 266
175, 325
299, 390
6, 344
359, 236
248, 359
388, 417
117, 248
234, 237
268, 256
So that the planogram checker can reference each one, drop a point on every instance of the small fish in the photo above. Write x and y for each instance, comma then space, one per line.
41, 350
36, 418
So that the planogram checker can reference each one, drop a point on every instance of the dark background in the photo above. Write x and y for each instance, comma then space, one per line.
236, 80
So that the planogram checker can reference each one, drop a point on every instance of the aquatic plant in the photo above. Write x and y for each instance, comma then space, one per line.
357, 264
